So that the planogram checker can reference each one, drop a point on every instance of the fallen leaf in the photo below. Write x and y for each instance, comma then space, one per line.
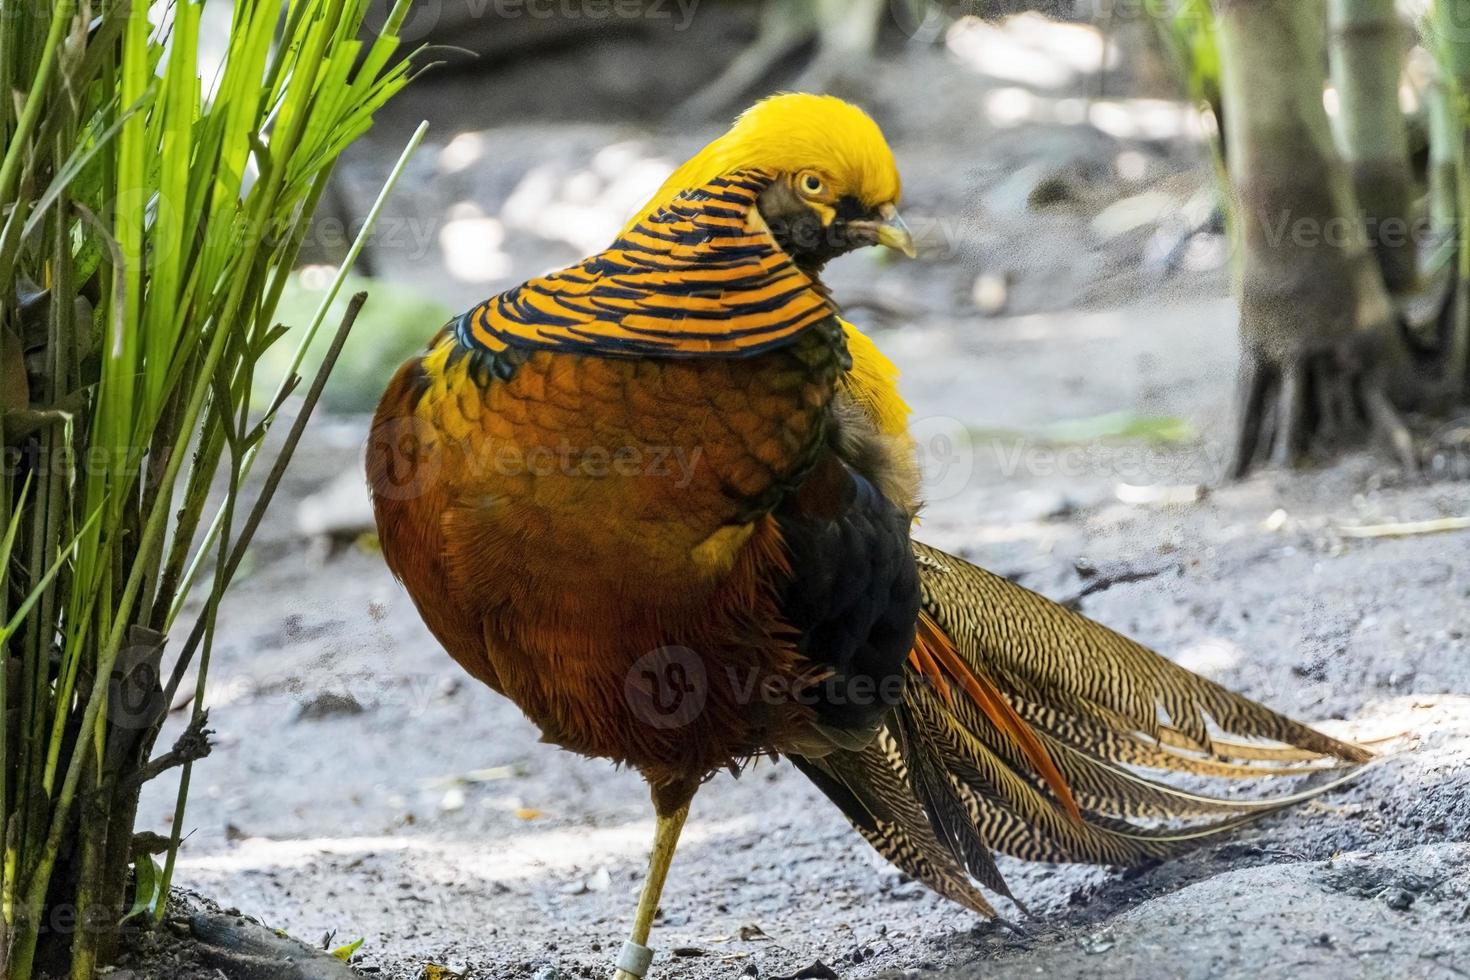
433, 971
345, 951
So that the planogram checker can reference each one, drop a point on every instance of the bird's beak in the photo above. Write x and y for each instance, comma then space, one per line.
893, 233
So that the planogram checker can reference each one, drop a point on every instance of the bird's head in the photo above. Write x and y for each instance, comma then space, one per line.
836, 186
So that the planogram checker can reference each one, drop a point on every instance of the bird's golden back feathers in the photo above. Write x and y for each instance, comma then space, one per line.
872, 381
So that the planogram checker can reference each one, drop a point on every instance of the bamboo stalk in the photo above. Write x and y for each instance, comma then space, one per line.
91, 917
1306, 273
8, 528
257, 513
1446, 146
1366, 53
1317, 323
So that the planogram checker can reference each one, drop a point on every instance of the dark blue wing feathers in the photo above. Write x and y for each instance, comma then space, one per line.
853, 593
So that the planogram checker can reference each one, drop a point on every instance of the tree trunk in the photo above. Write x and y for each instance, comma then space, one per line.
1318, 329
1366, 53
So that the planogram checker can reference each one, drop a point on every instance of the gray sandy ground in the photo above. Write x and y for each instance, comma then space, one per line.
1400, 914
363, 787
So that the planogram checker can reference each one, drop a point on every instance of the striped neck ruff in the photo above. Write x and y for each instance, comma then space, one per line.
700, 277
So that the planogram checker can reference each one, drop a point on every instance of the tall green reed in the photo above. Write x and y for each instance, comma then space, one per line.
149, 218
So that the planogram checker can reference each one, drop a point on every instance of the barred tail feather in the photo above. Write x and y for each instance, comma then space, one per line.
1028, 729
871, 788
1051, 656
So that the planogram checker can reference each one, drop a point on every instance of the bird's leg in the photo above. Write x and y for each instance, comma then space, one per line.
671, 806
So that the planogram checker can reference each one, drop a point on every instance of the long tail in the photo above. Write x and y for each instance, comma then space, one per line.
1024, 729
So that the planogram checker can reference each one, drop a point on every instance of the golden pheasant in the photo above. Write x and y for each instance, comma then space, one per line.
662, 499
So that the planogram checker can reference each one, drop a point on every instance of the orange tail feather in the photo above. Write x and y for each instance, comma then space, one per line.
934, 656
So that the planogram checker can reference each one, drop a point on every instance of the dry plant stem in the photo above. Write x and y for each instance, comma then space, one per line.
1316, 321
192, 745
1105, 581
211, 617
189, 571
174, 582
1408, 529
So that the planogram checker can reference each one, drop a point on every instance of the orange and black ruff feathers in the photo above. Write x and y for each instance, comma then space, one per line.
699, 278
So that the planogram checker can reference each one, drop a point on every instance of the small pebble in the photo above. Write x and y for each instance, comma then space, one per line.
1398, 899
454, 800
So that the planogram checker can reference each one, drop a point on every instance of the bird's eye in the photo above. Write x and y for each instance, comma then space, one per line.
811, 184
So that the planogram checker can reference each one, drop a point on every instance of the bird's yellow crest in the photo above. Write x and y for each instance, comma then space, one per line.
792, 132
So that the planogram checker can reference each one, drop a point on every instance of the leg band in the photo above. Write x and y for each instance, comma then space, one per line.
635, 959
